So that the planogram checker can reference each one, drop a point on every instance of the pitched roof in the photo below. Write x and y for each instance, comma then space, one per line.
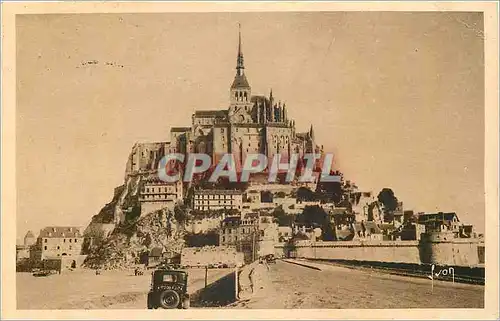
210, 113
29, 234
180, 129
259, 99
60, 231
240, 81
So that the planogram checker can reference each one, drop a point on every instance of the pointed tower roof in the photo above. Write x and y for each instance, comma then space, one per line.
29, 234
240, 80
311, 132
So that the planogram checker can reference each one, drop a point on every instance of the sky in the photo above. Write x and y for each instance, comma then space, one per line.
397, 96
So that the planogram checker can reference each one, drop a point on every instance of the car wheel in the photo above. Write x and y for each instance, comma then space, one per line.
169, 299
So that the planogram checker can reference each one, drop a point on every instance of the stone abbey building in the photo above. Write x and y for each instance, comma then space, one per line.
251, 124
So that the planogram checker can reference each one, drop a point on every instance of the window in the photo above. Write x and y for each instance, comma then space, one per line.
64, 240
45, 247
69, 240
76, 240
168, 278
70, 247
58, 247
45, 240
223, 239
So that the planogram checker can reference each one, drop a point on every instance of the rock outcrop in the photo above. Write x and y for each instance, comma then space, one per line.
128, 244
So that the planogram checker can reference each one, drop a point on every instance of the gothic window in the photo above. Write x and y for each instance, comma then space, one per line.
246, 98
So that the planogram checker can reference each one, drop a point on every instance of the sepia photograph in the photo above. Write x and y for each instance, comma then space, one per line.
248, 159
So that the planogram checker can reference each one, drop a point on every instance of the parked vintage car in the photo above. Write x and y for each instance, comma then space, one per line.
168, 289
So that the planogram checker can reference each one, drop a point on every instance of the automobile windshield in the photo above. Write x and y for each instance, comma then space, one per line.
169, 277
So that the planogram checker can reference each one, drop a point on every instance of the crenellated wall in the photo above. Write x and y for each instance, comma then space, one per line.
458, 252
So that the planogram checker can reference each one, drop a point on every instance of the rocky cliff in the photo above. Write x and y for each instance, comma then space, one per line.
118, 235
128, 243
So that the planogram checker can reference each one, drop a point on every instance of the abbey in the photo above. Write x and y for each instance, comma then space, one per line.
251, 124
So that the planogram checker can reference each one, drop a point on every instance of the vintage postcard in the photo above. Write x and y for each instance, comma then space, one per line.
226, 160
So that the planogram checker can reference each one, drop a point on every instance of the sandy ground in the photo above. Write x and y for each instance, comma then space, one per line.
287, 285
82, 289
280, 285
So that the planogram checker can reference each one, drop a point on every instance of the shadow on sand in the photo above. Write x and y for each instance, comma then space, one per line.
218, 294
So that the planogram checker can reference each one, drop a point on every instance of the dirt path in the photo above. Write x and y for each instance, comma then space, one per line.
292, 286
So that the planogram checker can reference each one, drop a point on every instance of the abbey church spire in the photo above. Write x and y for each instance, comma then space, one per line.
240, 67
240, 80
